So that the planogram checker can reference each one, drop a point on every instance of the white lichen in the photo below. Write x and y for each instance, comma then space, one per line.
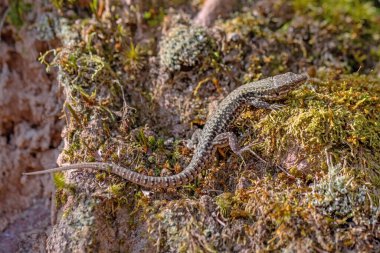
184, 47
336, 196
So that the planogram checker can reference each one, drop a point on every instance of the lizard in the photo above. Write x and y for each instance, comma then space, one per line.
258, 94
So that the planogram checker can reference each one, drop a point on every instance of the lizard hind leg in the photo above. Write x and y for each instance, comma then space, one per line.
230, 139
193, 142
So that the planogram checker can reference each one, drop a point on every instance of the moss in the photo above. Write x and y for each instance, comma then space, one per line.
63, 189
224, 202
340, 116
94, 92
180, 223
153, 17
277, 216
94, 5
101, 176
117, 190
60, 182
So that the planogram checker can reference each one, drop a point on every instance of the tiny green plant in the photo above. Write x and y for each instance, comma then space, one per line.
133, 57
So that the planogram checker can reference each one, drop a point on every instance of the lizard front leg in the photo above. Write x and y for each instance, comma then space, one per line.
258, 103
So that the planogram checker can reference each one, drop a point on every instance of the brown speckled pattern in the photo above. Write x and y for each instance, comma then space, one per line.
256, 94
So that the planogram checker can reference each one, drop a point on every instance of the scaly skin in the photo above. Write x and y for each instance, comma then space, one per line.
256, 94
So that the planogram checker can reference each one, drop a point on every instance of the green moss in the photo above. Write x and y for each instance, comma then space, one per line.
94, 5
101, 176
63, 189
95, 93
341, 116
60, 182
60, 3
117, 190
246, 25
142, 139
224, 201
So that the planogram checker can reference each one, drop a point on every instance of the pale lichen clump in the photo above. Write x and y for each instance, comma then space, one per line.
338, 195
184, 47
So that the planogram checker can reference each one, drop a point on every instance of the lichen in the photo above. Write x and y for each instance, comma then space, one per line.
184, 47
338, 195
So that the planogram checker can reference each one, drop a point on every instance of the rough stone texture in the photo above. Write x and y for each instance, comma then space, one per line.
29, 135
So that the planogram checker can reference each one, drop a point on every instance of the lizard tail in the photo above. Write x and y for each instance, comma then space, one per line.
181, 178
40, 172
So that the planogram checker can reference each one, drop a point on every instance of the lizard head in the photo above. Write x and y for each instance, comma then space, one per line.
281, 85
